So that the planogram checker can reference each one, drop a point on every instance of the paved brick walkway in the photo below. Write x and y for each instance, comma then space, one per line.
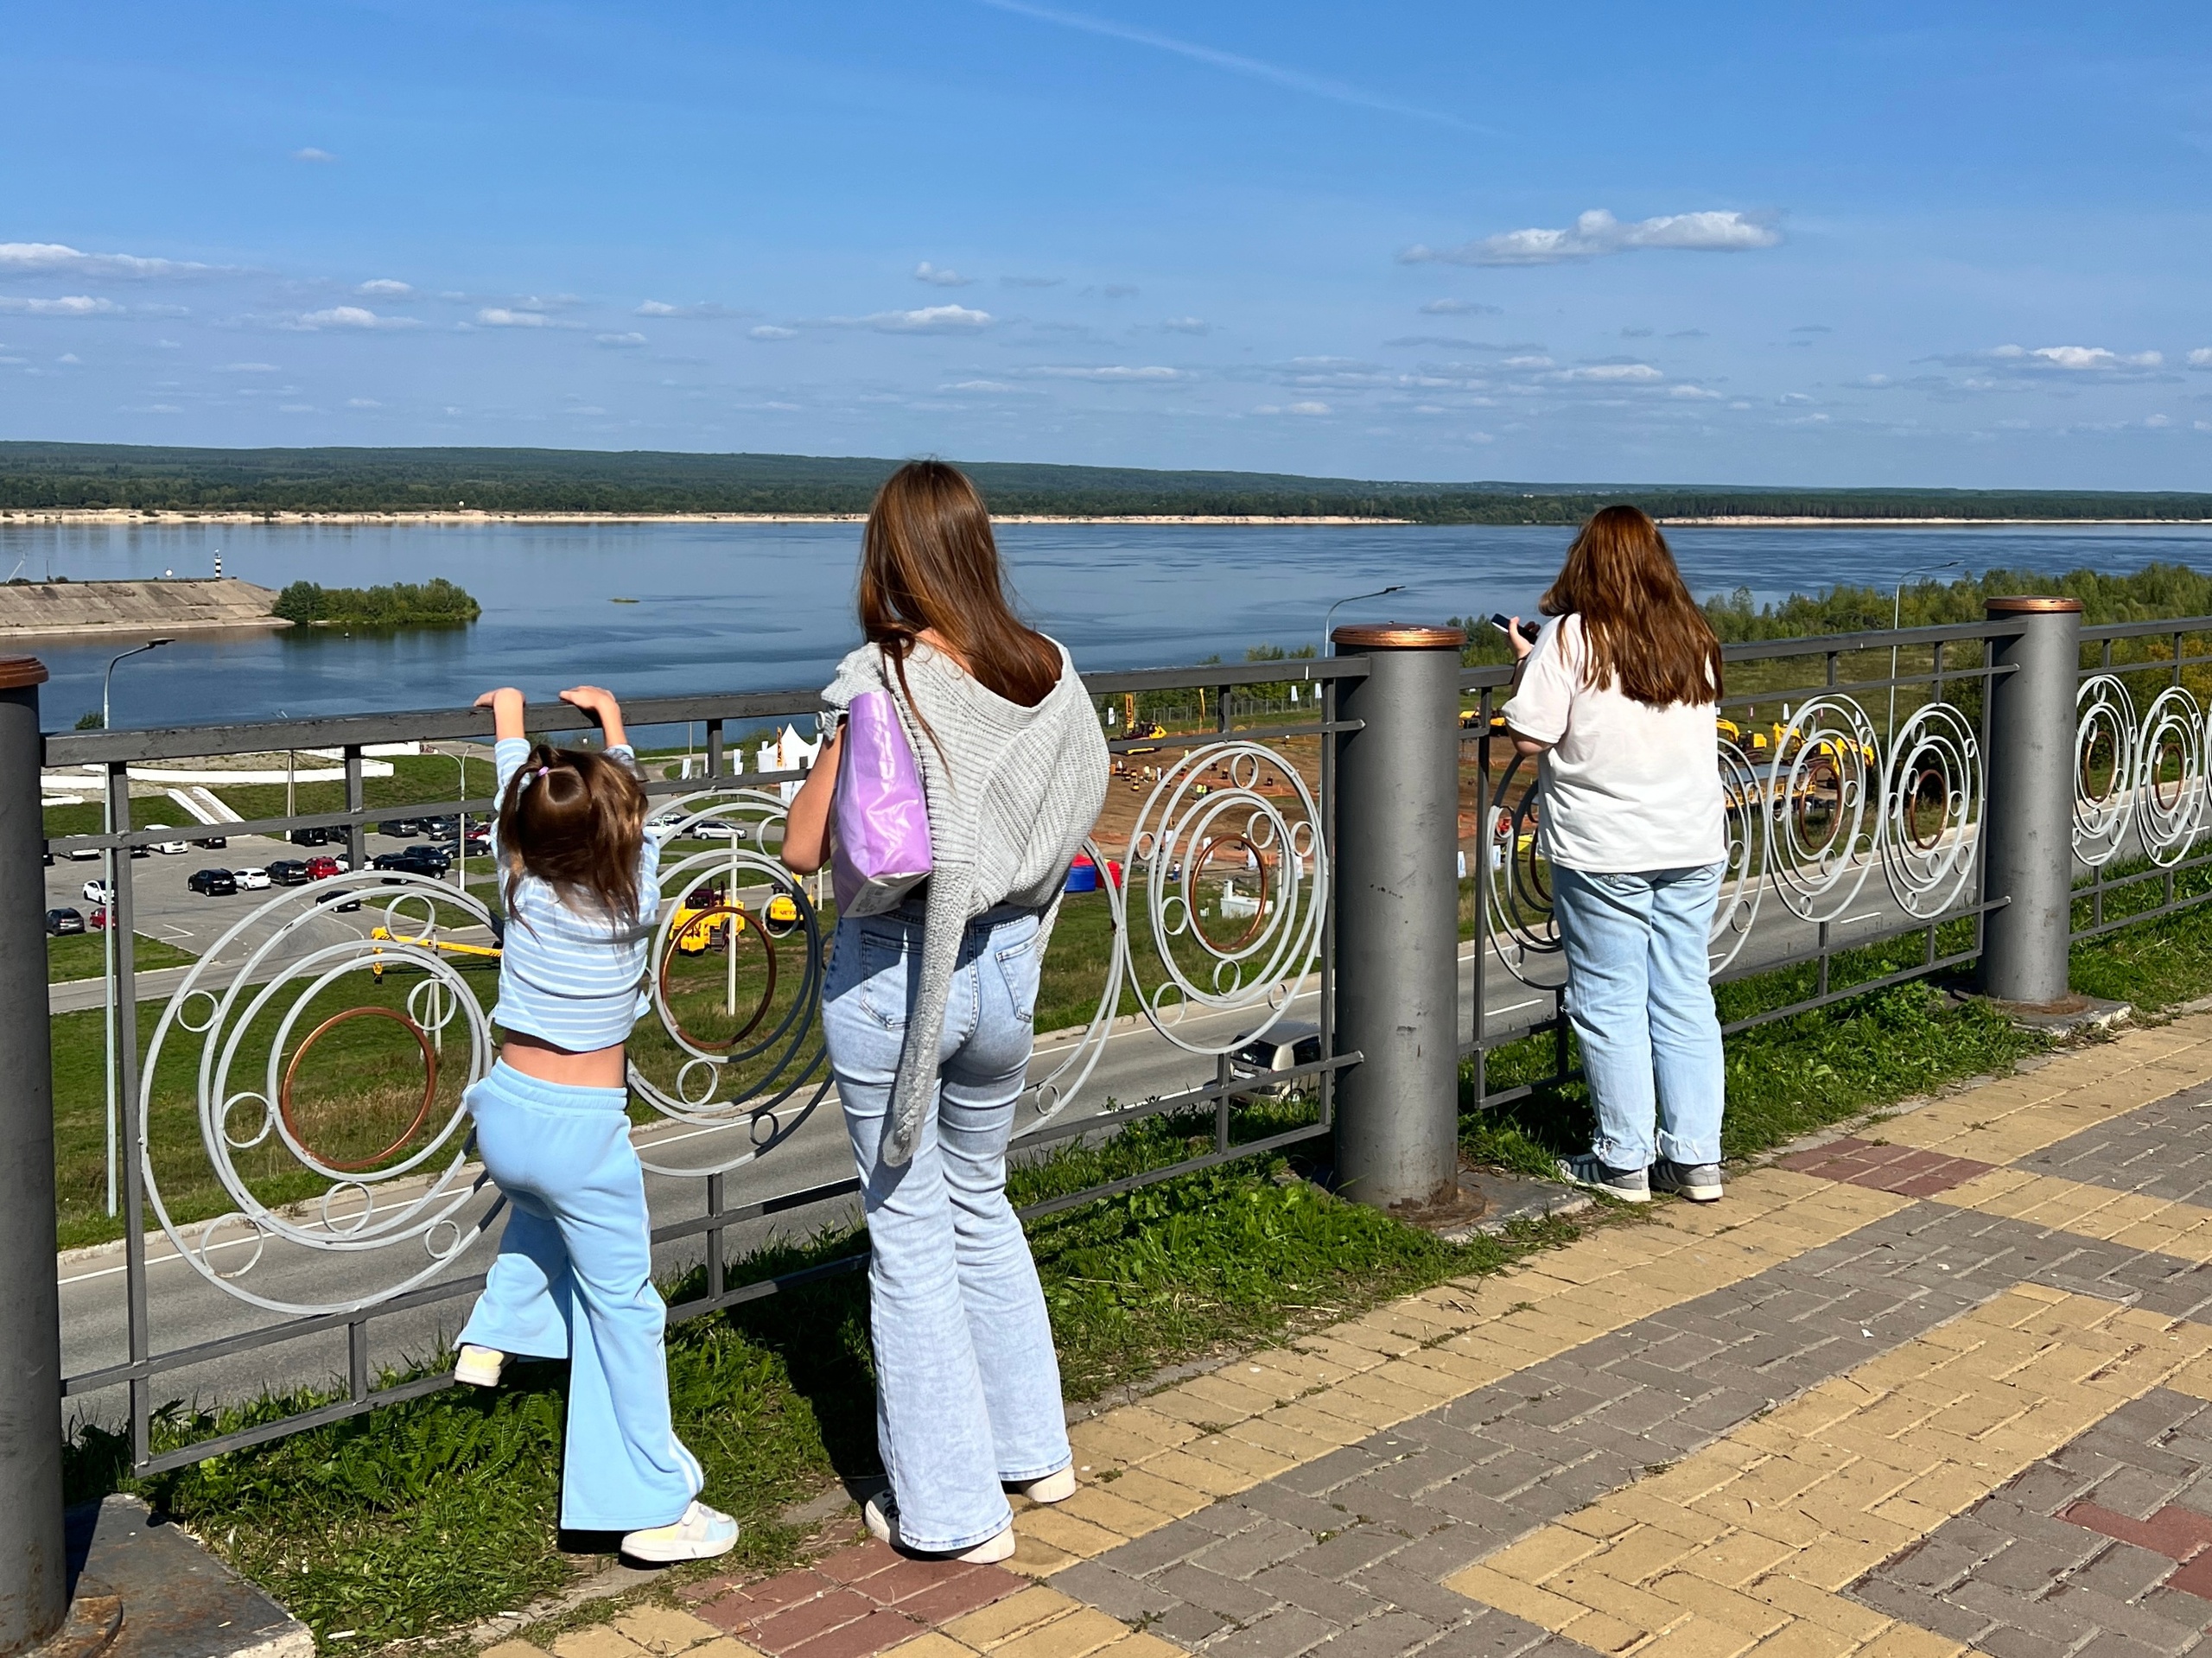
1949, 1385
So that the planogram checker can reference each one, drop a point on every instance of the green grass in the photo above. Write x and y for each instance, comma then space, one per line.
79, 956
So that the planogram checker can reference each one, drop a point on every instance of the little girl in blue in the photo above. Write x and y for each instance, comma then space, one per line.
579, 878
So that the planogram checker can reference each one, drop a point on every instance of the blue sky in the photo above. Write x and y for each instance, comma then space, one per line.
1882, 243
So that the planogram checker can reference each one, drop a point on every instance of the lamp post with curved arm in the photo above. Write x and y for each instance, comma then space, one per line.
107, 932
1326, 648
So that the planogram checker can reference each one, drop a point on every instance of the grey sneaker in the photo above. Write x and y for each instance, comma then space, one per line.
1628, 1185
1699, 1182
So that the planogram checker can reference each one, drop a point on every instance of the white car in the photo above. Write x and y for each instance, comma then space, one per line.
171, 849
95, 891
251, 881
83, 854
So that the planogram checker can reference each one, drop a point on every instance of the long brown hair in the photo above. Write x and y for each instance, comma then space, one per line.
576, 820
1642, 631
928, 561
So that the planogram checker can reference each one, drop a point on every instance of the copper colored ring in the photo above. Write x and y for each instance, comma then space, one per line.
1260, 915
2025, 604
668, 998
16, 672
1399, 635
429, 1083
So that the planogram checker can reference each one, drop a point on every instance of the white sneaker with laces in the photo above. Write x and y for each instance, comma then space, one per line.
478, 1366
880, 1515
701, 1534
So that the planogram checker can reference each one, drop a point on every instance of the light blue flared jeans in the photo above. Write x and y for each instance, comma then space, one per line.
573, 1279
1641, 1004
966, 1384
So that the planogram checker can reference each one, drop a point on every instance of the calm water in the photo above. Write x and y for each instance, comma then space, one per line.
765, 607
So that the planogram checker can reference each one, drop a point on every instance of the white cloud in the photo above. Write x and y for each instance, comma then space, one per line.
2157, 421
1691, 391
1309, 407
1526, 362
311, 154
252, 368
2201, 358
2081, 356
296, 409
71, 359
363, 403
1153, 373
69, 305
499, 316
769, 331
56, 258
385, 288
620, 341
939, 278
1597, 232
1457, 308
977, 385
704, 310
1187, 325
930, 319
1614, 373
348, 316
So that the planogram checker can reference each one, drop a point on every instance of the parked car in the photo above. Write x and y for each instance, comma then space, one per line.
418, 859
252, 881
340, 898
83, 854
63, 921
215, 843
212, 883
400, 828
1287, 1042
97, 920
168, 848
96, 891
322, 868
287, 872
310, 837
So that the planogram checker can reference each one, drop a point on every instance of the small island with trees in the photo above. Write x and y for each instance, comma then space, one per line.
434, 603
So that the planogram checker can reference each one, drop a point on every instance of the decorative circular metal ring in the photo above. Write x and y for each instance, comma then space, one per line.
346, 1015
2107, 754
675, 947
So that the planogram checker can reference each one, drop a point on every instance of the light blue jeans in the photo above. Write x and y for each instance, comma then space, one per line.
573, 1281
1641, 1004
966, 1384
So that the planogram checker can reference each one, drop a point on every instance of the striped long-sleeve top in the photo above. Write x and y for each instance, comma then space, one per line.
569, 974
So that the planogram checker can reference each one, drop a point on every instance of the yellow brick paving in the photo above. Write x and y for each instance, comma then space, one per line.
2182, 1231
1744, 1545
1144, 1466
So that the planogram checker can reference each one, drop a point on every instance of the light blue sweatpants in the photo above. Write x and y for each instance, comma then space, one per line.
574, 1279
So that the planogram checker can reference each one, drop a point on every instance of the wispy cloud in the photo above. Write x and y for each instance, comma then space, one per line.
1296, 80
705, 310
1613, 373
1597, 233
770, 331
620, 341
1030, 281
1154, 374
385, 288
1187, 325
1307, 406
252, 368
1457, 308
58, 259
68, 305
501, 317
2201, 358
937, 276
2087, 361
929, 318
311, 154
347, 316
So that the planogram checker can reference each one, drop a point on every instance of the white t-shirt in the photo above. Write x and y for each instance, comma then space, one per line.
1626, 787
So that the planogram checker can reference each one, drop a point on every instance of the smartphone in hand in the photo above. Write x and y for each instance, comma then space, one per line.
1504, 624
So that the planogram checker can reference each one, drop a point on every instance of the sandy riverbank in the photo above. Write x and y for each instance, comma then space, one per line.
119, 516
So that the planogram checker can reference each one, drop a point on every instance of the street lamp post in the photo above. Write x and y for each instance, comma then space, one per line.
1326, 649
107, 932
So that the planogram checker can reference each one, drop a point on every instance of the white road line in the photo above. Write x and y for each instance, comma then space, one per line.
1871, 915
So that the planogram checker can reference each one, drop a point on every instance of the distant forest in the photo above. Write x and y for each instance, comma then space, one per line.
90, 475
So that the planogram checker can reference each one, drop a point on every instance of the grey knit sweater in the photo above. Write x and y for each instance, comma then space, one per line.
1012, 792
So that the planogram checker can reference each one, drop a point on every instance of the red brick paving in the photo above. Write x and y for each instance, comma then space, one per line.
2178, 1534
857, 1601
1905, 1170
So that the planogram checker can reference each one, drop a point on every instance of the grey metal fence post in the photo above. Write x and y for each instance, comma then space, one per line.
2028, 826
1397, 915
34, 1565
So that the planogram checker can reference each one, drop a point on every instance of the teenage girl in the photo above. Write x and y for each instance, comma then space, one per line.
579, 880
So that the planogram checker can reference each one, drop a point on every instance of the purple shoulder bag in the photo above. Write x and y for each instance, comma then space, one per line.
879, 820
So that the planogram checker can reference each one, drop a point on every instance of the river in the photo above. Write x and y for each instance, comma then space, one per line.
656, 609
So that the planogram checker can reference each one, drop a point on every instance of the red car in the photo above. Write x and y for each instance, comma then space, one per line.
322, 868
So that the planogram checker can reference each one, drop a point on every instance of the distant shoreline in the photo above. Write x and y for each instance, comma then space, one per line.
120, 516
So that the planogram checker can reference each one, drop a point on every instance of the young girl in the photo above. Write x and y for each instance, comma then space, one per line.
573, 1278
928, 1009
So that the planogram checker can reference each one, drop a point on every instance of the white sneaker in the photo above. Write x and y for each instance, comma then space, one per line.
1699, 1182
1053, 1488
701, 1534
881, 1516
1628, 1185
478, 1366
